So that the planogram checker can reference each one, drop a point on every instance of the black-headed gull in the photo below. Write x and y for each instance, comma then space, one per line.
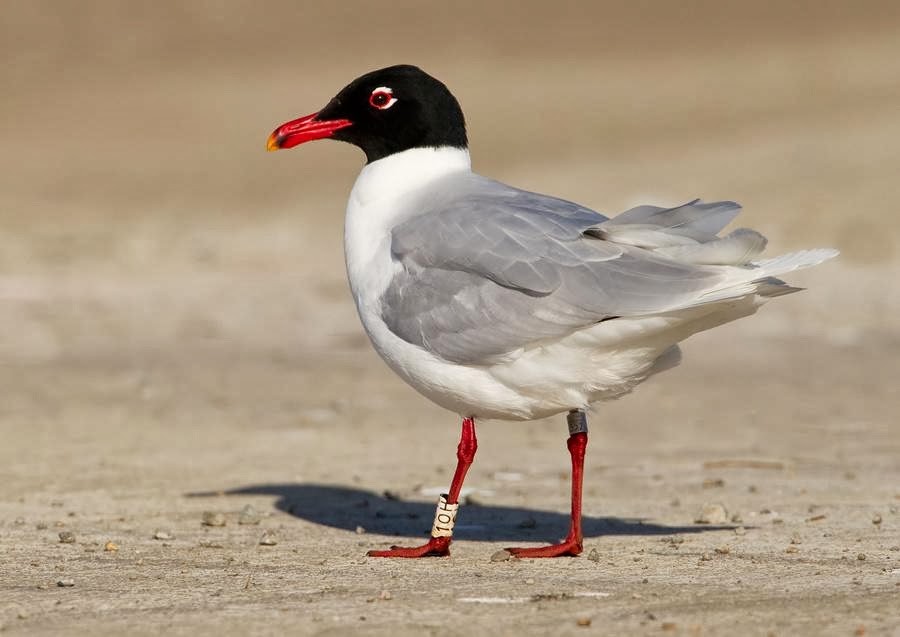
496, 302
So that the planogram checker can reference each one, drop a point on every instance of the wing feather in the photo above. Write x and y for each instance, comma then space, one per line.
488, 269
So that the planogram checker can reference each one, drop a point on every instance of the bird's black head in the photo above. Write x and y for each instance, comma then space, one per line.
383, 112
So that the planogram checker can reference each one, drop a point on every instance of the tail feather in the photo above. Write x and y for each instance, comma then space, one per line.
760, 278
770, 287
794, 261
685, 233
736, 248
688, 234
695, 219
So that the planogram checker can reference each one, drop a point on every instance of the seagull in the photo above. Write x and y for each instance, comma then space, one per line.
499, 303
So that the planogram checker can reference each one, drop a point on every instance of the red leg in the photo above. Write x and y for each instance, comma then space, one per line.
438, 546
572, 545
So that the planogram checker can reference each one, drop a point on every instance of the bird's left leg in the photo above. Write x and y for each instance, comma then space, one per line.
577, 445
445, 518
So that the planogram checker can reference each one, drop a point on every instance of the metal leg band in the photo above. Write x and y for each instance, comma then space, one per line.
577, 421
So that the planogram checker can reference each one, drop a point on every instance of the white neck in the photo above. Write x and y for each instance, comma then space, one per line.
386, 192
397, 175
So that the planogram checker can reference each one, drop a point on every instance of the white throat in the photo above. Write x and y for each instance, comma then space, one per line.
385, 193
396, 175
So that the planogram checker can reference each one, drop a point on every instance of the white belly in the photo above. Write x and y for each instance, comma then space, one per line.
600, 362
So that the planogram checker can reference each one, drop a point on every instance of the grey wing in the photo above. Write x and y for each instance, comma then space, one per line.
488, 269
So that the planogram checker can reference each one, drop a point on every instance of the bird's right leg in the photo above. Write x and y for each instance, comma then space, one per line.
445, 518
573, 544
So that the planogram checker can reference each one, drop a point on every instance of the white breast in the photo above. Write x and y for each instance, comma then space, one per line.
602, 361
380, 199
378, 202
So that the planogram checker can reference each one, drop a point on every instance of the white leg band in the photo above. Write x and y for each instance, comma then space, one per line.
444, 518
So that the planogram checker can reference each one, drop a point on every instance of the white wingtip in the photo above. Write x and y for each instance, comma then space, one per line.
761, 279
794, 261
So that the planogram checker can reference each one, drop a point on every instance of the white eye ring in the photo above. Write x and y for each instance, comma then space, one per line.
377, 98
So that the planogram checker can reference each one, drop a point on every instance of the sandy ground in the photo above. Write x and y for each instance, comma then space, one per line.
176, 338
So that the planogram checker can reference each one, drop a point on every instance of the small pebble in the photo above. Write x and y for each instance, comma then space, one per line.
861, 557
385, 595
65, 583
530, 580
22, 614
19, 521
791, 549
211, 518
740, 531
706, 557
669, 626
713, 483
583, 621
723, 550
360, 530
162, 535
712, 513
41, 526
594, 555
737, 519
268, 539
876, 519
249, 515
66, 537
110, 547
501, 556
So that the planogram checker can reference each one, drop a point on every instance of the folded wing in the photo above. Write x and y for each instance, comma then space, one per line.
488, 269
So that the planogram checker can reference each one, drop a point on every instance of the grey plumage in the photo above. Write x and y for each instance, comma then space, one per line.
486, 269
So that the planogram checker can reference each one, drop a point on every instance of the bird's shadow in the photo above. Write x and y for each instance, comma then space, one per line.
385, 514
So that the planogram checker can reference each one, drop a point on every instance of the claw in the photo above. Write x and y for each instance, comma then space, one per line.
436, 547
569, 548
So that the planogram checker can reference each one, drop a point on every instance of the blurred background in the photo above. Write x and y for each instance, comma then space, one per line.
141, 218
133, 139
134, 177
174, 314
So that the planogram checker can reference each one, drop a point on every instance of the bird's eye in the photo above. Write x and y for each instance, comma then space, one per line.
382, 98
